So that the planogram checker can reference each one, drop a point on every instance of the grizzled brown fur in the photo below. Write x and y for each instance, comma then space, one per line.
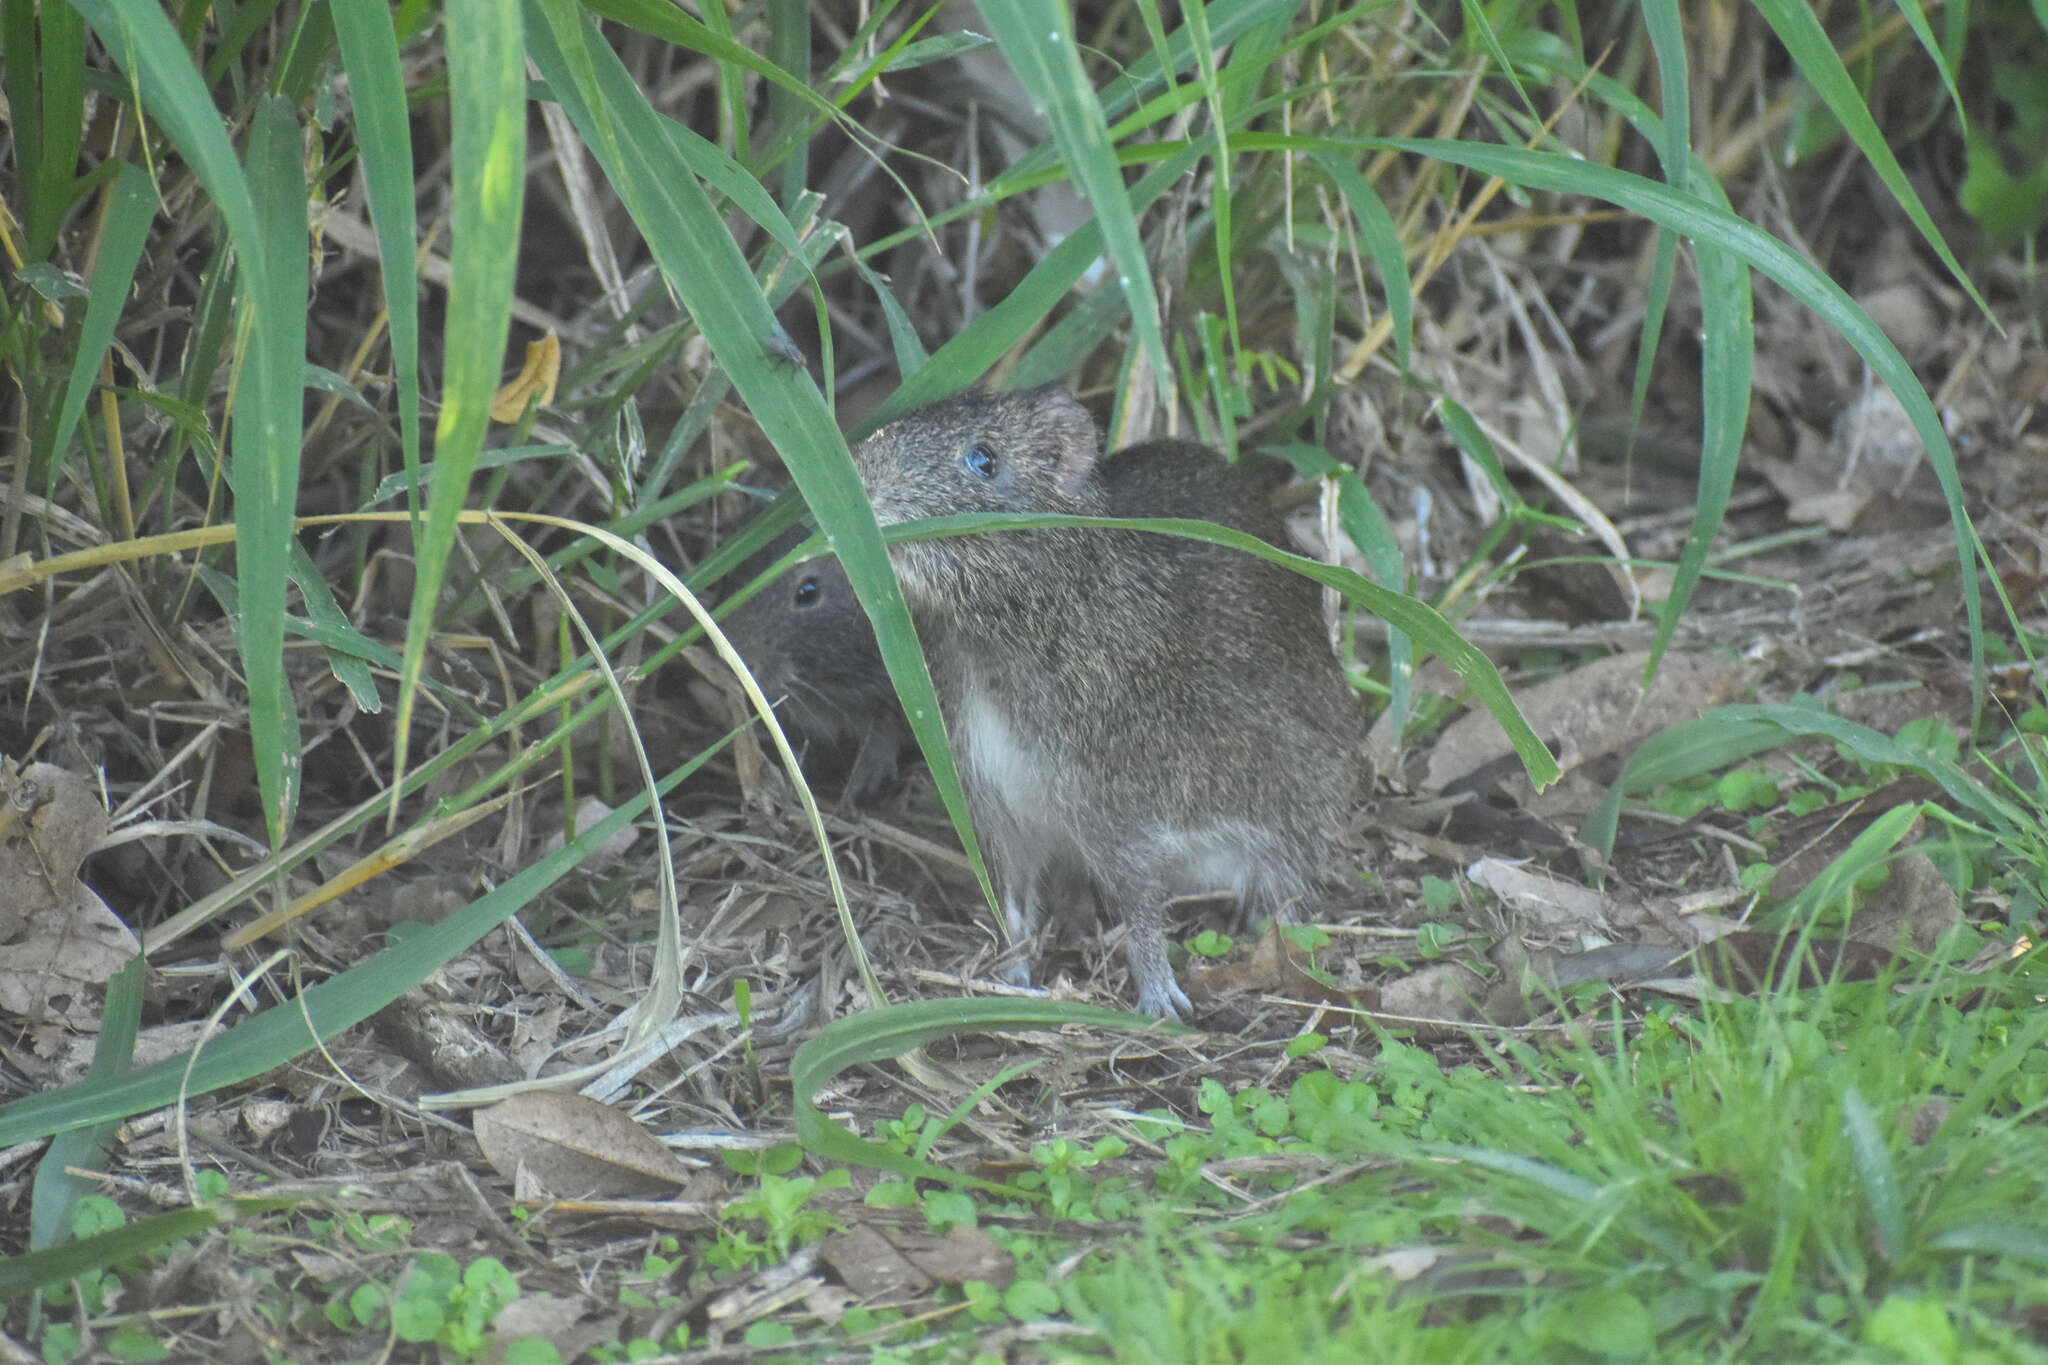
808, 643
1159, 716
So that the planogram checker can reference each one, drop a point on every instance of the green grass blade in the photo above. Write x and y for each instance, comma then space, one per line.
1875, 1169
271, 248
1868, 851
1727, 366
56, 1192
269, 417
1674, 154
1382, 242
1471, 441
1712, 741
487, 111
347, 648
122, 1245
1871, 747
21, 79
1572, 1188
1810, 285
1990, 1085
48, 142
671, 25
1727, 734
128, 222
789, 47
1417, 619
1363, 523
278, 1034
1054, 355
911, 355
894, 1030
982, 342
369, 53
1037, 39
702, 263
1799, 29
1222, 232
1996, 1239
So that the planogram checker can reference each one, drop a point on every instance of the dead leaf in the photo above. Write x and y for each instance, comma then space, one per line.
1276, 967
535, 380
961, 1255
49, 820
58, 940
1590, 712
574, 1146
1820, 836
1545, 897
1868, 459
1436, 999
895, 1265
1913, 908
1402, 1263
561, 1322
869, 1264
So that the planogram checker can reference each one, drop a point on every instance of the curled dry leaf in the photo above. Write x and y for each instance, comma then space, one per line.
535, 382
58, 937
574, 1146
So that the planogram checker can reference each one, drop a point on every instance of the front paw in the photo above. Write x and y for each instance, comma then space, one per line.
1164, 999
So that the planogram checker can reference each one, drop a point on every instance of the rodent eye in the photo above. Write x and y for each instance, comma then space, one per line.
979, 461
808, 592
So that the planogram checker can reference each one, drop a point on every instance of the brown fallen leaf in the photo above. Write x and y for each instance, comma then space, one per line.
1436, 1000
895, 1265
1913, 908
1555, 902
1590, 712
1866, 462
1275, 967
58, 940
574, 1146
564, 1323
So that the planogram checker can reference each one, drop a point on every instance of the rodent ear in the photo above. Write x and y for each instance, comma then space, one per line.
1074, 435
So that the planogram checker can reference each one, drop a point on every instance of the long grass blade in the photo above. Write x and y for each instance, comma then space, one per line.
47, 95
1037, 39
131, 207
369, 53
165, 84
487, 98
269, 415
893, 1031
1799, 29
702, 263
1811, 286
286, 1030
56, 1191
1875, 1169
